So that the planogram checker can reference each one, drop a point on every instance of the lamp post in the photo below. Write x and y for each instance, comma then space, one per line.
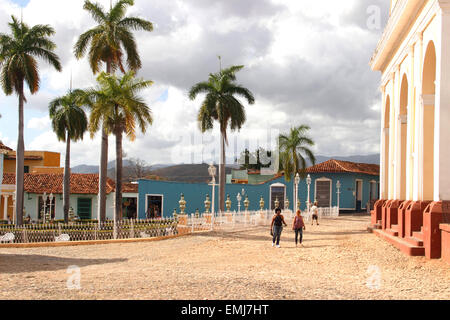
296, 182
45, 198
308, 183
14, 205
239, 198
246, 203
182, 204
71, 214
207, 204
51, 197
212, 170
338, 187
228, 203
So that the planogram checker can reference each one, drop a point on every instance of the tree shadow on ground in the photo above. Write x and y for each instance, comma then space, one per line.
15, 263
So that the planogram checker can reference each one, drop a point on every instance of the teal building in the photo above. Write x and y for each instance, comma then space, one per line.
359, 187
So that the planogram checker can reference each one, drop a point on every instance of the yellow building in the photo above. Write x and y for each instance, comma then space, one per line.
35, 162
413, 57
44, 162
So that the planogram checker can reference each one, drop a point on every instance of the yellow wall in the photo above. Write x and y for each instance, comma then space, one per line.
49, 159
10, 208
47, 170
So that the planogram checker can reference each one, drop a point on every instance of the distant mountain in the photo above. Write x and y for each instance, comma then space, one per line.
198, 173
85, 169
111, 166
194, 173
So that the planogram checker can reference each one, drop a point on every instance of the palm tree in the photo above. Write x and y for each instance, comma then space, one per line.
69, 122
107, 43
293, 146
116, 105
18, 53
220, 104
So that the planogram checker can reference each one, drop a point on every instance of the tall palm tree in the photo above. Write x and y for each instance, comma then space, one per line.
107, 43
220, 104
116, 105
69, 122
294, 149
18, 53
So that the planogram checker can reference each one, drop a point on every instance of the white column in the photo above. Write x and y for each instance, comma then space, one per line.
1, 170
417, 183
5, 206
392, 137
384, 132
384, 173
390, 160
1, 173
442, 110
410, 130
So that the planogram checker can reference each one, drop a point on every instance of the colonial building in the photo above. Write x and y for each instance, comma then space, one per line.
358, 187
35, 162
44, 194
413, 57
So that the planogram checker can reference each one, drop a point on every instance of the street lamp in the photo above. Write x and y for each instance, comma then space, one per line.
14, 207
308, 183
239, 198
51, 197
212, 170
297, 182
45, 197
338, 187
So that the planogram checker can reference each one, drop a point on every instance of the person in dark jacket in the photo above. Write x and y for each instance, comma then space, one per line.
298, 226
277, 227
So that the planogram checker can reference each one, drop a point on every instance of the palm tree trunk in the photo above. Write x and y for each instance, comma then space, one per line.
20, 162
118, 206
66, 186
103, 174
222, 176
103, 169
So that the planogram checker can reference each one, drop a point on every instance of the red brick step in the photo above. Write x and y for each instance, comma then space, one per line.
403, 245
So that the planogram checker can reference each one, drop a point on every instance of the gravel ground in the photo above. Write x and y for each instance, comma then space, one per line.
339, 260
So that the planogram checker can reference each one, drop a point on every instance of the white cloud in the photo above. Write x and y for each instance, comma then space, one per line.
39, 123
306, 62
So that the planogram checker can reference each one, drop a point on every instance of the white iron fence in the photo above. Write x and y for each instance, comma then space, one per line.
78, 231
135, 229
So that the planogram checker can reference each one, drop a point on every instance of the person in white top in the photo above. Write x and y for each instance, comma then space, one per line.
315, 213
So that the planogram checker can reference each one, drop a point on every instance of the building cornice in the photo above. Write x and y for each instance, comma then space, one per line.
402, 17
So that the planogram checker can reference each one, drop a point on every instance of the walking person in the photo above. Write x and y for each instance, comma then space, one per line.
315, 213
277, 227
298, 226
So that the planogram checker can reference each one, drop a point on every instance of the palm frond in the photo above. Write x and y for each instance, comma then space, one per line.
96, 11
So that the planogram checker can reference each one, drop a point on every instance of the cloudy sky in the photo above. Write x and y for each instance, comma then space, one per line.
307, 62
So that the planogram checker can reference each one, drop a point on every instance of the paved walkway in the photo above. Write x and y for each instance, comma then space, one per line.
340, 260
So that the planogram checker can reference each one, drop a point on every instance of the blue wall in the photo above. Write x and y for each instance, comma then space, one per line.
195, 194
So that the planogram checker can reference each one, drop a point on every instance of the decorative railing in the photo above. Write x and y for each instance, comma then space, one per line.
76, 231
139, 229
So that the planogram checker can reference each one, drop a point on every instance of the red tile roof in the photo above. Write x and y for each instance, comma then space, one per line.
337, 166
53, 183
4, 148
130, 188
14, 157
